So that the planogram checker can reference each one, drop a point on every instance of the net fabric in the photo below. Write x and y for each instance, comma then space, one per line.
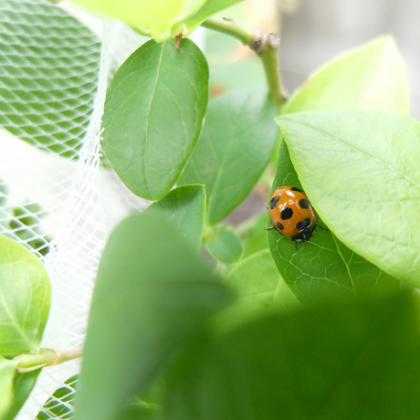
49, 66
55, 197
60, 404
48, 78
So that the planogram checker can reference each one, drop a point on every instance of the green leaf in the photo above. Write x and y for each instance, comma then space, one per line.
323, 268
260, 288
161, 19
361, 170
370, 77
138, 409
25, 296
225, 246
210, 8
234, 149
184, 208
26, 226
256, 239
48, 75
60, 405
164, 295
23, 385
154, 114
7, 373
346, 362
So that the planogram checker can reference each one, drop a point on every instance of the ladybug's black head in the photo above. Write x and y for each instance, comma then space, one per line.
304, 235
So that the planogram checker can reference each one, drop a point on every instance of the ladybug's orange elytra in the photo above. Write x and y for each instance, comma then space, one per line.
292, 213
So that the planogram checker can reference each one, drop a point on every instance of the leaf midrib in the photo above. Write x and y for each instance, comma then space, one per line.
148, 115
15, 322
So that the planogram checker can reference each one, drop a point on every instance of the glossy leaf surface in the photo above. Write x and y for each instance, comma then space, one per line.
372, 163
372, 76
184, 209
346, 362
164, 294
154, 114
234, 149
25, 295
225, 246
322, 268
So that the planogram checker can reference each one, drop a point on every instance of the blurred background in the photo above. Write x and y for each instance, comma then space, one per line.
312, 33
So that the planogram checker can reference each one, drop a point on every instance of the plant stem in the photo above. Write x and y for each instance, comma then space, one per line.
270, 59
267, 46
46, 357
65, 356
231, 28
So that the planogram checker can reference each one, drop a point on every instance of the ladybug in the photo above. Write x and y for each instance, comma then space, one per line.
292, 214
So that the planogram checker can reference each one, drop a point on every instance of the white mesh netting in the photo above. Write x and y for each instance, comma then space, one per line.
55, 197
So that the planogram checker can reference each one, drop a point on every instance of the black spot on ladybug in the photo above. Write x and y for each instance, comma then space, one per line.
287, 213
304, 203
303, 224
304, 235
280, 226
279, 232
296, 189
274, 201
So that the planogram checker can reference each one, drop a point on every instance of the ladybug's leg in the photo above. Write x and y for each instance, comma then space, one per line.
326, 230
296, 245
269, 228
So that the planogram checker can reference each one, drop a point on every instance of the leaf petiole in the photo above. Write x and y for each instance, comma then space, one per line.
45, 357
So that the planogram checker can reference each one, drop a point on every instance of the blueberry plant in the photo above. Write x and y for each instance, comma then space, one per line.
329, 330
